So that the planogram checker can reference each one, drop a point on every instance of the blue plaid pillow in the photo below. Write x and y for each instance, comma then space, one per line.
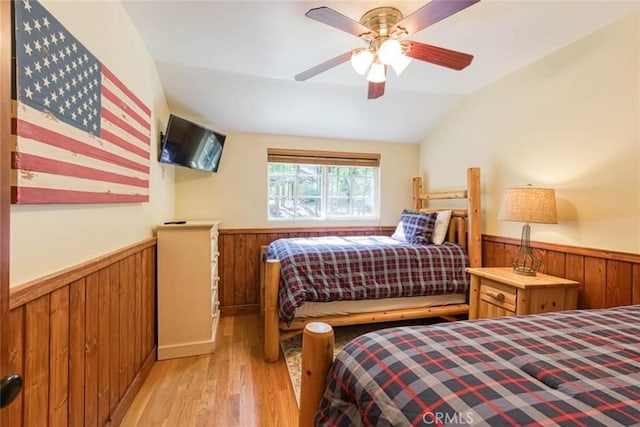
418, 226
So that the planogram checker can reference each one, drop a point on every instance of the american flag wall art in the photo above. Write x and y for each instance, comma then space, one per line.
79, 134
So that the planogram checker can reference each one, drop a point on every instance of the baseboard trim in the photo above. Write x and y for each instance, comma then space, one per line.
235, 310
187, 349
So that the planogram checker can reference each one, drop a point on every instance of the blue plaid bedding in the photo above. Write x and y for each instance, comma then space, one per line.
574, 368
323, 269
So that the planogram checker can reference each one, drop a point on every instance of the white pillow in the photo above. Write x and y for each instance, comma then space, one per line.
441, 227
399, 233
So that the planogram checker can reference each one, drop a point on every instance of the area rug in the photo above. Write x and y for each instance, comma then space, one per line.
292, 347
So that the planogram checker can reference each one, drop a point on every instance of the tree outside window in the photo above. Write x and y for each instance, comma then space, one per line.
307, 191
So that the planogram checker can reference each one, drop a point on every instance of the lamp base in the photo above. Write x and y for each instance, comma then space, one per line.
525, 262
524, 271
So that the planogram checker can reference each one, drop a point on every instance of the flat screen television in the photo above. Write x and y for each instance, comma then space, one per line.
190, 145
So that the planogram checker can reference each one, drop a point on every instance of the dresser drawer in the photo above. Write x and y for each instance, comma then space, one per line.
498, 295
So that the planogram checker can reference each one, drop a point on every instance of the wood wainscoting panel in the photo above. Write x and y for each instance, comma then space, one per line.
556, 263
595, 282
114, 340
574, 270
12, 415
84, 339
619, 289
607, 278
36, 366
104, 334
76, 351
92, 292
59, 357
636, 284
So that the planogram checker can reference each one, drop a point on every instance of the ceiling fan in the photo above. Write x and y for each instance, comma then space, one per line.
385, 30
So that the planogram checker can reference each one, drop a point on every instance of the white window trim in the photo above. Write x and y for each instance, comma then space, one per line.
326, 159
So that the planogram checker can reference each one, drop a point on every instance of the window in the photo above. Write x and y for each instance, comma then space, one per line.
325, 185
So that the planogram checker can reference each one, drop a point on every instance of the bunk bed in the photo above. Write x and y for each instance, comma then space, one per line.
285, 315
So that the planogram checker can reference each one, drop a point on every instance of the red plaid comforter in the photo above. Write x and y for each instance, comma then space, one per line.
575, 368
326, 269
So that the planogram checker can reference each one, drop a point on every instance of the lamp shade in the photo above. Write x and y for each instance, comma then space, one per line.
529, 204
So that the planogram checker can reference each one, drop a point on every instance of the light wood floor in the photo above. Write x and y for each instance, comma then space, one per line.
231, 387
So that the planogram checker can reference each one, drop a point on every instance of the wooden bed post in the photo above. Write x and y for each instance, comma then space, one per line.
317, 357
262, 258
474, 217
416, 190
271, 317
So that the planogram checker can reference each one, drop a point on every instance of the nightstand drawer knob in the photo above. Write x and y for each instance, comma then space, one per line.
496, 296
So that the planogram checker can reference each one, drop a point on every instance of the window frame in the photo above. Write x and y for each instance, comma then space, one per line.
326, 159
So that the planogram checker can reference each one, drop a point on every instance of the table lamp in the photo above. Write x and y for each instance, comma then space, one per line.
528, 204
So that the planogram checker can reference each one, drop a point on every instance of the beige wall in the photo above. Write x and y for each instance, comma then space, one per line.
47, 238
570, 121
237, 194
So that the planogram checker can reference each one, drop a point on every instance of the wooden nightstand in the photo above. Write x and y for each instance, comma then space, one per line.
498, 291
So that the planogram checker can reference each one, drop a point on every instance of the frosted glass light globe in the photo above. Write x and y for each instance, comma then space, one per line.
390, 51
400, 64
377, 73
361, 60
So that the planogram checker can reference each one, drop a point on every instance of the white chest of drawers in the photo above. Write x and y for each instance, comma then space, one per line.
188, 311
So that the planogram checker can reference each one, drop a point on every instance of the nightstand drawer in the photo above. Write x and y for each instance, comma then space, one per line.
498, 295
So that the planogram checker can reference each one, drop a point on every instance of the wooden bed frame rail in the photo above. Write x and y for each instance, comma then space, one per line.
465, 229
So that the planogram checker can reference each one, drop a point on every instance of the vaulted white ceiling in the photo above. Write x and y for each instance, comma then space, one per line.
230, 64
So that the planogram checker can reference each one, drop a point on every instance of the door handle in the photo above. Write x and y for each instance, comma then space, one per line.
10, 387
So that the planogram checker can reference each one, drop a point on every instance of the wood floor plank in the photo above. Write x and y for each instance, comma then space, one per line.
137, 409
231, 387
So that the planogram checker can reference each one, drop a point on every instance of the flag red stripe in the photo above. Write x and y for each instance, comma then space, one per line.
125, 90
30, 162
116, 140
47, 195
125, 126
46, 136
123, 106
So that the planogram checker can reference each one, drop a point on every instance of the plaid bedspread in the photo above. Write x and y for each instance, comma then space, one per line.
323, 269
575, 368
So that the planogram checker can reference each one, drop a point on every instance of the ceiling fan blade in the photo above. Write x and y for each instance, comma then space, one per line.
430, 13
438, 55
320, 68
337, 20
376, 90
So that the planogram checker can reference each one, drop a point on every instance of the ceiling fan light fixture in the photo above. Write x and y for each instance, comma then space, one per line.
390, 51
385, 30
361, 60
400, 64
377, 73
